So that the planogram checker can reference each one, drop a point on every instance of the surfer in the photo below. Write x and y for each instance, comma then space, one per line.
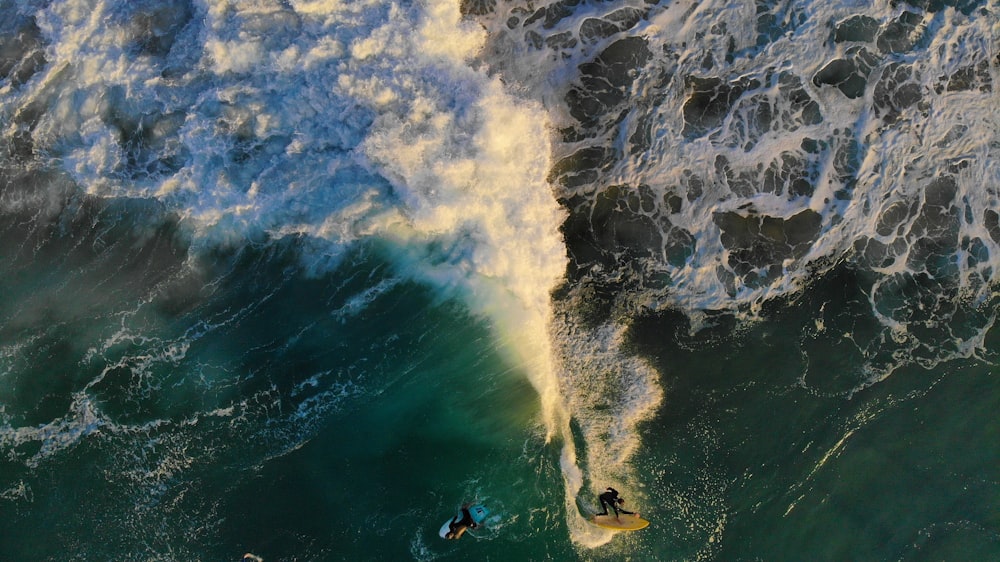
248, 557
611, 499
457, 527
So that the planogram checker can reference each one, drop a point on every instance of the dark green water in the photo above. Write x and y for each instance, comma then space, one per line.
159, 411
769, 448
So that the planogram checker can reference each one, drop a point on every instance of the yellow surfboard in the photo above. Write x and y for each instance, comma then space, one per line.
622, 523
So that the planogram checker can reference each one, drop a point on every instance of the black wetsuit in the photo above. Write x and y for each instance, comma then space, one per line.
610, 499
465, 521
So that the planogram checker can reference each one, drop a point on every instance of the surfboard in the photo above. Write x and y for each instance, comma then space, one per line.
478, 512
623, 523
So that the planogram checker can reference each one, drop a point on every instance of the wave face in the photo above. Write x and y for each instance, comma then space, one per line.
336, 123
230, 230
332, 124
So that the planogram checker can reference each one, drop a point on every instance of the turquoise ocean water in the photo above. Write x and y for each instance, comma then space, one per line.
301, 277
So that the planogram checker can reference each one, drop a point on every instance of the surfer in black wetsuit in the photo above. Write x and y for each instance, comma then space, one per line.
457, 527
611, 499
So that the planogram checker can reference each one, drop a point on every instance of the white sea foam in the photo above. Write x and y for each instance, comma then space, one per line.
82, 420
899, 154
293, 123
903, 144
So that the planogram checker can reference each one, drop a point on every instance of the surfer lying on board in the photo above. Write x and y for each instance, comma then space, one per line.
610, 499
457, 527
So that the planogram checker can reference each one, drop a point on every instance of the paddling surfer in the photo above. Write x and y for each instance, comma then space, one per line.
458, 527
